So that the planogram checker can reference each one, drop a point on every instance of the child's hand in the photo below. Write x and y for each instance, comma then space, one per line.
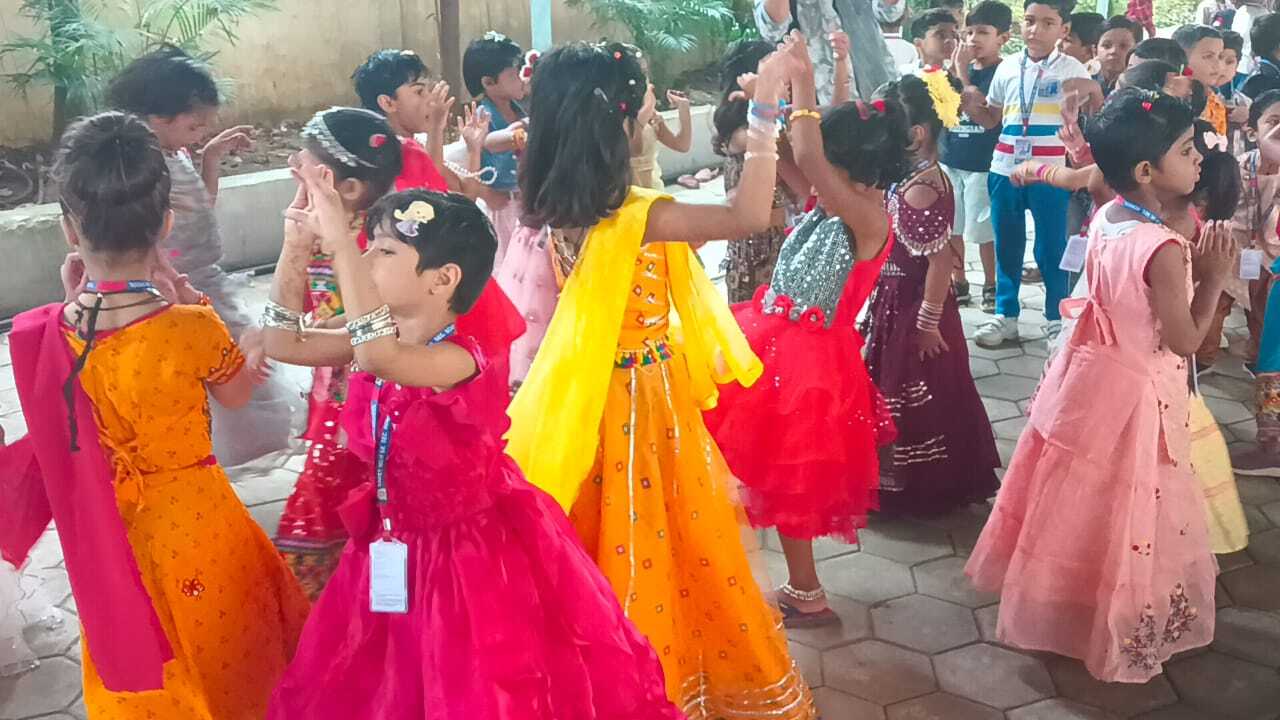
439, 103
930, 344
649, 109
295, 235
253, 345
839, 45
746, 81
73, 276
961, 59
474, 126
1025, 173
324, 215
235, 139
678, 100
172, 285
1215, 254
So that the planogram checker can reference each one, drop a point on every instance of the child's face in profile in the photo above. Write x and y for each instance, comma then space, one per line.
1071, 45
393, 267
1179, 168
1114, 49
1230, 65
1267, 122
408, 109
508, 85
938, 43
184, 129
1205, 60
985, 40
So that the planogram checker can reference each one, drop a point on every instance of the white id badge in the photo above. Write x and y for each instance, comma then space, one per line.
1022, 149
388, 576
1250, 264
1073, 257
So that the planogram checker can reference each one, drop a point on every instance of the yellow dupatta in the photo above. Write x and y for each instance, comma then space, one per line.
555, 416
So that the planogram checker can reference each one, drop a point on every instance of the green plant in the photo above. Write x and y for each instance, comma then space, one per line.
188, 23
665, 28
74, 53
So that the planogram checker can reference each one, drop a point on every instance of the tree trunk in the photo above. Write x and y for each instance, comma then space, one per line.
449, 22
59, 113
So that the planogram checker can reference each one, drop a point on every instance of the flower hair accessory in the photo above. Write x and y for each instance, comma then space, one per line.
377, 140
1214, 141
878, 104
531, 59
411, 218
496, 36
318, 129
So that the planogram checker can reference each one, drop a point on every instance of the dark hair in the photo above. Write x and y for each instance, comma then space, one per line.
1219, 188
1064, 7
993, 13
1134, 126
163, 83
743, 56
946, 5
114, 182
1120, 22
872, 146
1199, 99
914, 97
488, 57
1087, 27
1188, 36
460, 234
1162, 49
1264, 36
576, 168
383, 74
1260, 105
1148, 75
929, 20
1232, 40
346, 140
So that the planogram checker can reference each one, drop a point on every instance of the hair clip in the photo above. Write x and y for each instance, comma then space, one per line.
418, 213
531, 59
617, 54
1186, 72
622, 106
408, 53
495, 36
600, 93
377, 140
317, 129
1146, 105
878, 104
863, 113
1214, 141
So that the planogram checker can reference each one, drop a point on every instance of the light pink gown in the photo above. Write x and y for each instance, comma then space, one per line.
1097, 543
527, 277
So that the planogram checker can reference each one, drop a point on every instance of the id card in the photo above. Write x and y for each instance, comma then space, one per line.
1250, 264
1022, 149
1073, 256
388, 576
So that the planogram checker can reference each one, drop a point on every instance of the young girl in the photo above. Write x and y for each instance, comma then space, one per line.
802, 326
501, 613
1097, 543
361, 149
748, 263
649, 129
945, 454
649, 493
186, 609
178, 99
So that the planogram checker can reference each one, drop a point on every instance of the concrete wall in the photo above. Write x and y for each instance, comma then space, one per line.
249, 220
294, 61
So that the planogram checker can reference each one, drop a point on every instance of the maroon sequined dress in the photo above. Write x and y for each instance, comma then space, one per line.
945, 455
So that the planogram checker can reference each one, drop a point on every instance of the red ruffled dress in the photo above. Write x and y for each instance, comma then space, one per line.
509, 618
804, 439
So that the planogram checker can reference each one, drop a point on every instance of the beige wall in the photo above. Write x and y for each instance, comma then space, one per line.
291, 62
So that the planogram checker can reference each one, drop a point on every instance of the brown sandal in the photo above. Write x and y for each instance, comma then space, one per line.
793, 618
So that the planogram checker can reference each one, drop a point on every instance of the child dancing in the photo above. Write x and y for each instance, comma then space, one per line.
361, 149
945, 454
179, 99
802, 325
1097, 543
494, 611
609, 420
187, 611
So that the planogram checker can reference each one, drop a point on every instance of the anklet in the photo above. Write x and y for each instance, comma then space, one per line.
803, 595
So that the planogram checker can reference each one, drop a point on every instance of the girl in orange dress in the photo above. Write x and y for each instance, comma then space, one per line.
187, 610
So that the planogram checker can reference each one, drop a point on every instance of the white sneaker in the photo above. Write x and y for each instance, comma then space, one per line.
1052, 329
996, 332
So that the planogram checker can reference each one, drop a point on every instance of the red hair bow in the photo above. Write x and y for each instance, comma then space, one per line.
377, 141
878, 105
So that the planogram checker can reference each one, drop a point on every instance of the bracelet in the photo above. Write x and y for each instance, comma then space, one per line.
1042, 172
478, 175
802, 113
766, 155
375, 322
279, 317
764, 111
362, 338
767, 127
929, 317
519, 138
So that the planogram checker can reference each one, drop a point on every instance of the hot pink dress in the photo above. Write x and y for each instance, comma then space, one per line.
509, 619
527, 277
1097, 543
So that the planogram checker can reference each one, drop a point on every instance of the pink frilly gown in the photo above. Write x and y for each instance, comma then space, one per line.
529, 279
508, 617
1097, 543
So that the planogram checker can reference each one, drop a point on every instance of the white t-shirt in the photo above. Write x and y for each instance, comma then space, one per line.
1243, 24
905, 57
1020, 74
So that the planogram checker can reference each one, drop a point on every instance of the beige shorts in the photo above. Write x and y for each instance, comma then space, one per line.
973, 205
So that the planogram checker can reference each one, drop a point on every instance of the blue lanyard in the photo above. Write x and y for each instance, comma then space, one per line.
118, 288
1135, 207
382, 433
1025, 106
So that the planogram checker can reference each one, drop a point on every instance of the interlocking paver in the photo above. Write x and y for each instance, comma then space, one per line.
1264, 547
1256, 586
904, 541
1060, 709
49, 688
865, 577
924, 623
945, 579
878, 672
993, 676
942, 706
1227, 687
855, 625
1074, 682
836, 705
1251, 635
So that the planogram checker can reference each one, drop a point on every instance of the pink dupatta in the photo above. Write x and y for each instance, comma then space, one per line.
42, 480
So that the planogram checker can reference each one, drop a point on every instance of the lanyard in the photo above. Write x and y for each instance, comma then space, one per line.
1255, 192
1025, 106
382, 435
1135, 207
119, 287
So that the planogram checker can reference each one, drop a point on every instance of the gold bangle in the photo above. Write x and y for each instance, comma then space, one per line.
803, 113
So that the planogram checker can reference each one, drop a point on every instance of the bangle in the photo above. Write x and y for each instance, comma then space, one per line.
1042, 171
929, 317
766, 155
767, 127
376, 321
519, 138
279, 317
362, 338
764, 111
802, 113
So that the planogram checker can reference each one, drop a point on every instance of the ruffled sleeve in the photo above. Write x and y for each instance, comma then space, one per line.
922, 231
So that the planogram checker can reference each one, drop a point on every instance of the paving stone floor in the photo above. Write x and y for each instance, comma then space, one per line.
917, 641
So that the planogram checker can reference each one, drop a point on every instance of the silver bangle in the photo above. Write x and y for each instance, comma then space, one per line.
279, 317
357, 340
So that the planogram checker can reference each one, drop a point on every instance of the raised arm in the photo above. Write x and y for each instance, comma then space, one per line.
751, 209
773, 17
680, 142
